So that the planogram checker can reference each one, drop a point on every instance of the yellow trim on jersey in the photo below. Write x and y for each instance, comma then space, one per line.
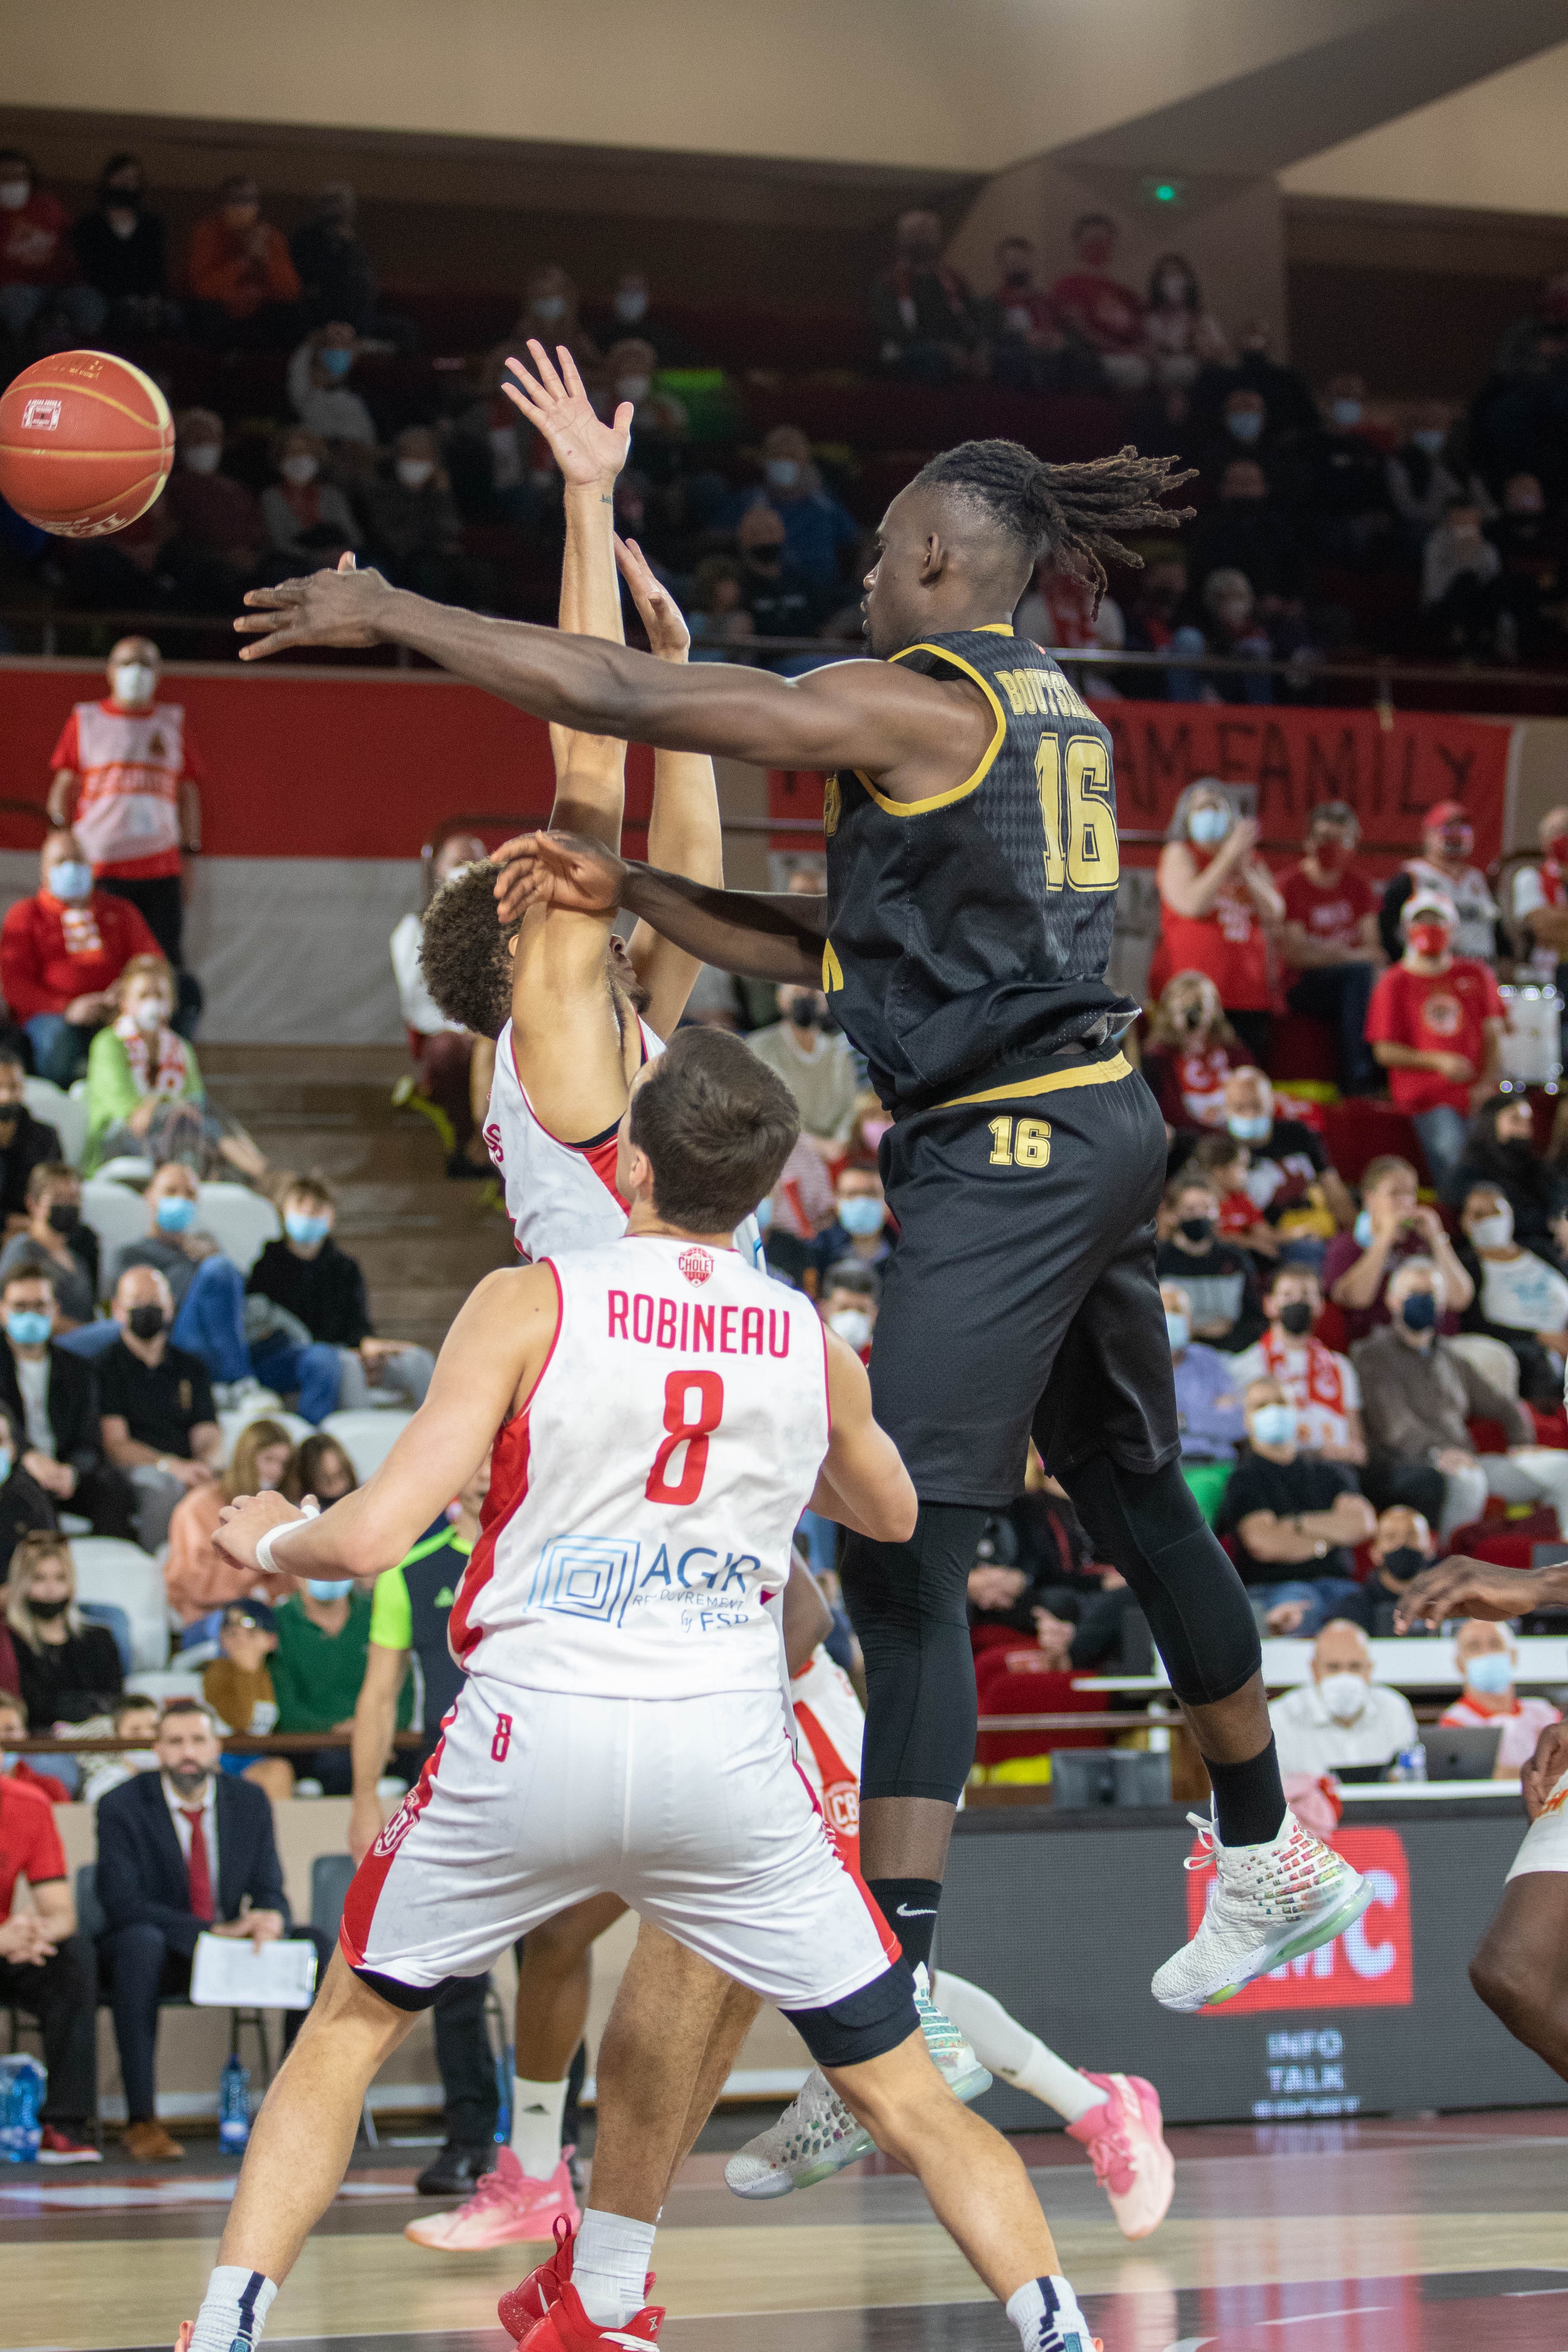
959, 792
993, 629
832, 969
1091, 1073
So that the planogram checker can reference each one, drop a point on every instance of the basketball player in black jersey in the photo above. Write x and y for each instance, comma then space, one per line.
972, 865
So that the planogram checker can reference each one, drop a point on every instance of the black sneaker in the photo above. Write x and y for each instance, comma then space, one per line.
455, 2171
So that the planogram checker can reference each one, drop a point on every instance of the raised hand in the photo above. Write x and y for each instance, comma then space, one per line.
668, 634
1468, 1588
244, 1522
329, 608
588, 452
556, 869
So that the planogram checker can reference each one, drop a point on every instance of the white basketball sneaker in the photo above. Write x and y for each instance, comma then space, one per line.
816, 2135
1269, 1905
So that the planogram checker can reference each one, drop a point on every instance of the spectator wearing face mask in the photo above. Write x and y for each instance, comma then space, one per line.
61, 953
1154, 625
1539, 903
58, 1242
1027, 348
323, 1287
1391, 1226
70, 1668
324, 1645
1218, 908
658, 418
859, 1234
1343, 1719
1190, 1052
144, 1091
850, 1295
1330, 941
38, 266
245, 289
777, 596
1208, 1402
25, 1142
318, 385
1107, 315
818, 532
309, 521
1290, 1180
197, 1577
18, 1772
219, 530
1341, 490
631, 310
1400, 1548
336, 273
1243, 431
1319, 1384
1417, 1395
1519, 1299
50, 1394
1461, 586
815, 1064
411, 517
1218, 1280
1180, 335
1284, 391
238, 1689
1422, 484
1487, 1658
121, 248
1250, 532
1296, 1521
1435, 1023
159, 1424
923, 313
127, 782
207, 1288
1447, 844
1500, 1151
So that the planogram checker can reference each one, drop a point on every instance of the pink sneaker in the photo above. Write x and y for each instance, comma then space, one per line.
1126, 2142
507, 2205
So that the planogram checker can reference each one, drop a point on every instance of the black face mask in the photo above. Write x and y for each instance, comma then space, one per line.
1404, 1563
48, 1610
64, 1217
804, 1013
145, 1322
1017, 278
1197, 1229
1296, 1319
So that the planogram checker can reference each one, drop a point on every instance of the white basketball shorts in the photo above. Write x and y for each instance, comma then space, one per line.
1545, 1842
692, 1810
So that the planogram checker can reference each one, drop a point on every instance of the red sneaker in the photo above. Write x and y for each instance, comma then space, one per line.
58, 2146
566, 2327
524, 2306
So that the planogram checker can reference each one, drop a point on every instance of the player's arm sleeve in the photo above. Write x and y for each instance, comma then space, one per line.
392, 1611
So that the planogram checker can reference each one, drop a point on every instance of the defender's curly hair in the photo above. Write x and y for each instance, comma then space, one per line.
463, 951
1073, 512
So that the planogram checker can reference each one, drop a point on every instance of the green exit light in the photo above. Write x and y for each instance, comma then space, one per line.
1166, 192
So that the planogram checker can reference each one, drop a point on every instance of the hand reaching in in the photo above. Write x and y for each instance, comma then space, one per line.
668, 634
589, 453
556, 869
329, 608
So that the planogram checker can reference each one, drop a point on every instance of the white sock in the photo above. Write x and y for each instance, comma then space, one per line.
1011, 2050
1045, 2313
234, 2310
610, 2265
536, 2112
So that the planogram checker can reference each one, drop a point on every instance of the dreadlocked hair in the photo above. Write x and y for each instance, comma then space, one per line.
1074, 512
463, 951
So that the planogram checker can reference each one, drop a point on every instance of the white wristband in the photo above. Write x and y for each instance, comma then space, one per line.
274, 1536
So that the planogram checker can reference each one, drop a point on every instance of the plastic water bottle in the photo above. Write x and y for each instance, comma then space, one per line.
1410, 1764
22, 2084
234, 2106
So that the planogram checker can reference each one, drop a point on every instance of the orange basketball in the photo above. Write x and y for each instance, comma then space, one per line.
86, 443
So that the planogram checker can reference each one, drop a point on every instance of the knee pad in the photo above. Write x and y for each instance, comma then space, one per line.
1148, 1526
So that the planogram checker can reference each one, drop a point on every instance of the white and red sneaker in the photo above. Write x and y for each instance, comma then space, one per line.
505, 2208
1126, 2142
523, 2306
566, 2327
1269, 1904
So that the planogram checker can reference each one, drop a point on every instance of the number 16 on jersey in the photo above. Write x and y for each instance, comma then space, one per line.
1081, 851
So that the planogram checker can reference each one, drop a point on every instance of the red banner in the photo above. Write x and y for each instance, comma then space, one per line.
314, 764
1371, 1966
1390, 774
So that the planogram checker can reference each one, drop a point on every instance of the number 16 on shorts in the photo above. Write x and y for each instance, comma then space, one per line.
1020, 1142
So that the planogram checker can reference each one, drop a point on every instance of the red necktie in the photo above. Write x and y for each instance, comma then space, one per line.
200, 1874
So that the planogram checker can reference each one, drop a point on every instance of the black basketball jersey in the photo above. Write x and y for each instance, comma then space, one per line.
968, 933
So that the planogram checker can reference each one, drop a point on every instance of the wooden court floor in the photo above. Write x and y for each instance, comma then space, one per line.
1435, 2235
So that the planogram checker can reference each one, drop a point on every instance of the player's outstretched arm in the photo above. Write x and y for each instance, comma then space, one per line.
1474, 1588
492, 1356
760, 934
917, 735
863, 1483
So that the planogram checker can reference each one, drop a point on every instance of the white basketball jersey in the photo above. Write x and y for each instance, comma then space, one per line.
559, 1196
642, 1505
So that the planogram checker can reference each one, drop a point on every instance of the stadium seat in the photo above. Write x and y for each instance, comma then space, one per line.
1302, 1048
62, 1112
367, 1438
1361, 1129
231, 1423
126, 1168
111, 1570
116, 1216
241, 1222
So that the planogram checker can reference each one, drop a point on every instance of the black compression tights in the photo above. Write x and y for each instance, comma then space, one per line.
1148, 1526
907, 1604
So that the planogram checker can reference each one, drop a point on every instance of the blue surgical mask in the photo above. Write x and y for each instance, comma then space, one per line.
1491, 1672
1249, 1128
1246, 424
1179, 1331
1429, 439
1208, 825
28, 1326
71, 880
1419, 1311
176, 1214
782, 473
336, 358
1274, 1425
306, 1231
1361, 1229
550, 307
331, 1588
862, 1216
1346, 413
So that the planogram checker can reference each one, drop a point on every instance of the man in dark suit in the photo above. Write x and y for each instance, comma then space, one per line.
52, 1396
182, 1851
24, 1141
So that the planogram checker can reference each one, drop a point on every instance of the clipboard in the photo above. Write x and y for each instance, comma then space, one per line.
229, 1972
